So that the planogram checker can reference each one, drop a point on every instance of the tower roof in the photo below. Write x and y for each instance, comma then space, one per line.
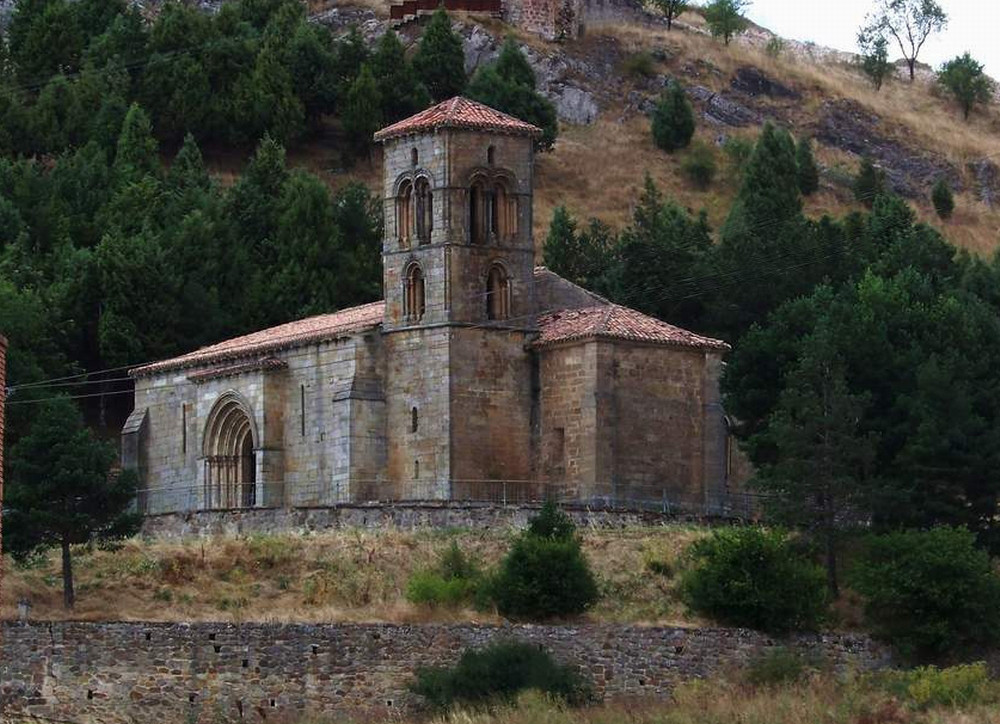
613, 321
459, 112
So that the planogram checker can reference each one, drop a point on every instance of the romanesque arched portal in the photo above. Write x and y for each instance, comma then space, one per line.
229, 448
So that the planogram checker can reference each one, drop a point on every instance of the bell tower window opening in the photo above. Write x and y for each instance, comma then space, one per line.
497, 293
404, 213
413, 294
424, 211
479, 207
414, 157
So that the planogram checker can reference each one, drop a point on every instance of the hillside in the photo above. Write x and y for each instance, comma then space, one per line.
604, 84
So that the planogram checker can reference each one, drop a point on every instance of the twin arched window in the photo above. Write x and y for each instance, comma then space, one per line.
414, 303
497, 293
492, 211
415, 211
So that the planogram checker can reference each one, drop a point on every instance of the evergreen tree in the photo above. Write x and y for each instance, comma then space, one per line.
440, 60
517, 99
357, 215
61, 491
513, 67
361, 111
808, 173
351, 54
561, 250
964, 78
45, 39
943, 199
725, 18
136, 152
869, 184
673, 119
769, 194
399, 91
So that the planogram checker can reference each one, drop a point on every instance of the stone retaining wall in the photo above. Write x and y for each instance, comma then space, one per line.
374, 516
117, 673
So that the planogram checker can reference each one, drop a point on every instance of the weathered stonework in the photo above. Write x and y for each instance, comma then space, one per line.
111, 673
445, 391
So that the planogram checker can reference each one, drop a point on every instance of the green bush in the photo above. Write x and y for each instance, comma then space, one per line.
930, 593
545, 573
699, 165
755, 578
776, 667
775, 47
943, 199
807, 170
929, 687
738, 151
639, 65
455, 580
498, 673
673, 119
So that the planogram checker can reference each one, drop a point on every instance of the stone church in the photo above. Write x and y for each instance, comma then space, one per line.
480, 376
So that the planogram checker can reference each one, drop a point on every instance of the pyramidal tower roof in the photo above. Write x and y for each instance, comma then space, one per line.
459, 112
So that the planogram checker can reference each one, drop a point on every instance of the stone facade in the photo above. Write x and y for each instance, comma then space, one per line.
451, 388
111, 673
3, 399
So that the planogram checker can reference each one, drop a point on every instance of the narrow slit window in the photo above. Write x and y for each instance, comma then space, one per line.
414, 420
302, 409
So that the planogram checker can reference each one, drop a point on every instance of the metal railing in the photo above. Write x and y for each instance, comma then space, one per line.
670, 500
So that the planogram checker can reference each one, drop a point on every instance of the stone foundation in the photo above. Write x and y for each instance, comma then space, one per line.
118, 673
378, 516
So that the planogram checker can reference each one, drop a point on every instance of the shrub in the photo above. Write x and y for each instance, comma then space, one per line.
755, 578
455, 581
545, 573
944, 201
775, 47
498, 673
699, 166
929, 687
673, 119
776, 667
869, 184
930, 593
639, 65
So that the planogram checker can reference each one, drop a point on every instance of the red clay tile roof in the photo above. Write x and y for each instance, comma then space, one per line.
458, 112
259, 344
613, 321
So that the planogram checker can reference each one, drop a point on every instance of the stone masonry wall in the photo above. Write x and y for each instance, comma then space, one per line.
3, 400
111, 673
378, 516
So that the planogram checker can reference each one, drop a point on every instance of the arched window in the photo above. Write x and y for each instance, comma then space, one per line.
230, 458
424, 211
413, 293
497, 293
479, 212
404, 213
505, 213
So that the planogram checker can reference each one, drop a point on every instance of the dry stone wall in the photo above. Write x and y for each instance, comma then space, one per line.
115, 673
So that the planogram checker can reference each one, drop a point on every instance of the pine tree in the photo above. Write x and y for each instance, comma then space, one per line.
769, 194
440, 60
513, 67
673, 119
869, 184
808, 173
943, 199
61, 490
136, 152
400, 93
361, 113
725, 18
561, 245
509, 86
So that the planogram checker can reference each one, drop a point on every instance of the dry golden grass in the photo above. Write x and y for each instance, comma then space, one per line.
823, 699
350, 575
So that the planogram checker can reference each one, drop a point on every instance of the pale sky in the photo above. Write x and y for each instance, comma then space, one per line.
973, 25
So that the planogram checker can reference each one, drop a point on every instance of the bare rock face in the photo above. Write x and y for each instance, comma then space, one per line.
987, 175
753, 82
910, 172
574, 105
723, 111
6, 11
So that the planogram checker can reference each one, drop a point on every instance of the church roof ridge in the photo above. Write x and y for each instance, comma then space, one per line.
614, 321
318, 328
459, 112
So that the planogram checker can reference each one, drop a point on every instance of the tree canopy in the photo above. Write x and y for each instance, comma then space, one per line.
909, 22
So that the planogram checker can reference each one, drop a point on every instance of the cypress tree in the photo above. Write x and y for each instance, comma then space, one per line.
513, 66
944, 201
136, 154
808, 173
362, 114
440, 60
673, 119
769, 194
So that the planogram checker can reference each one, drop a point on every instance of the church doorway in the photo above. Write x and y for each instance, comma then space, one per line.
230, 456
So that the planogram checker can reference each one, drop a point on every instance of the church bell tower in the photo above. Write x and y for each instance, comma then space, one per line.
458, 262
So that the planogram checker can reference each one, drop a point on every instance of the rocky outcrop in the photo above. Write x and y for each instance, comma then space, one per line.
723, 111
846, 125
753, 82
987, 175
